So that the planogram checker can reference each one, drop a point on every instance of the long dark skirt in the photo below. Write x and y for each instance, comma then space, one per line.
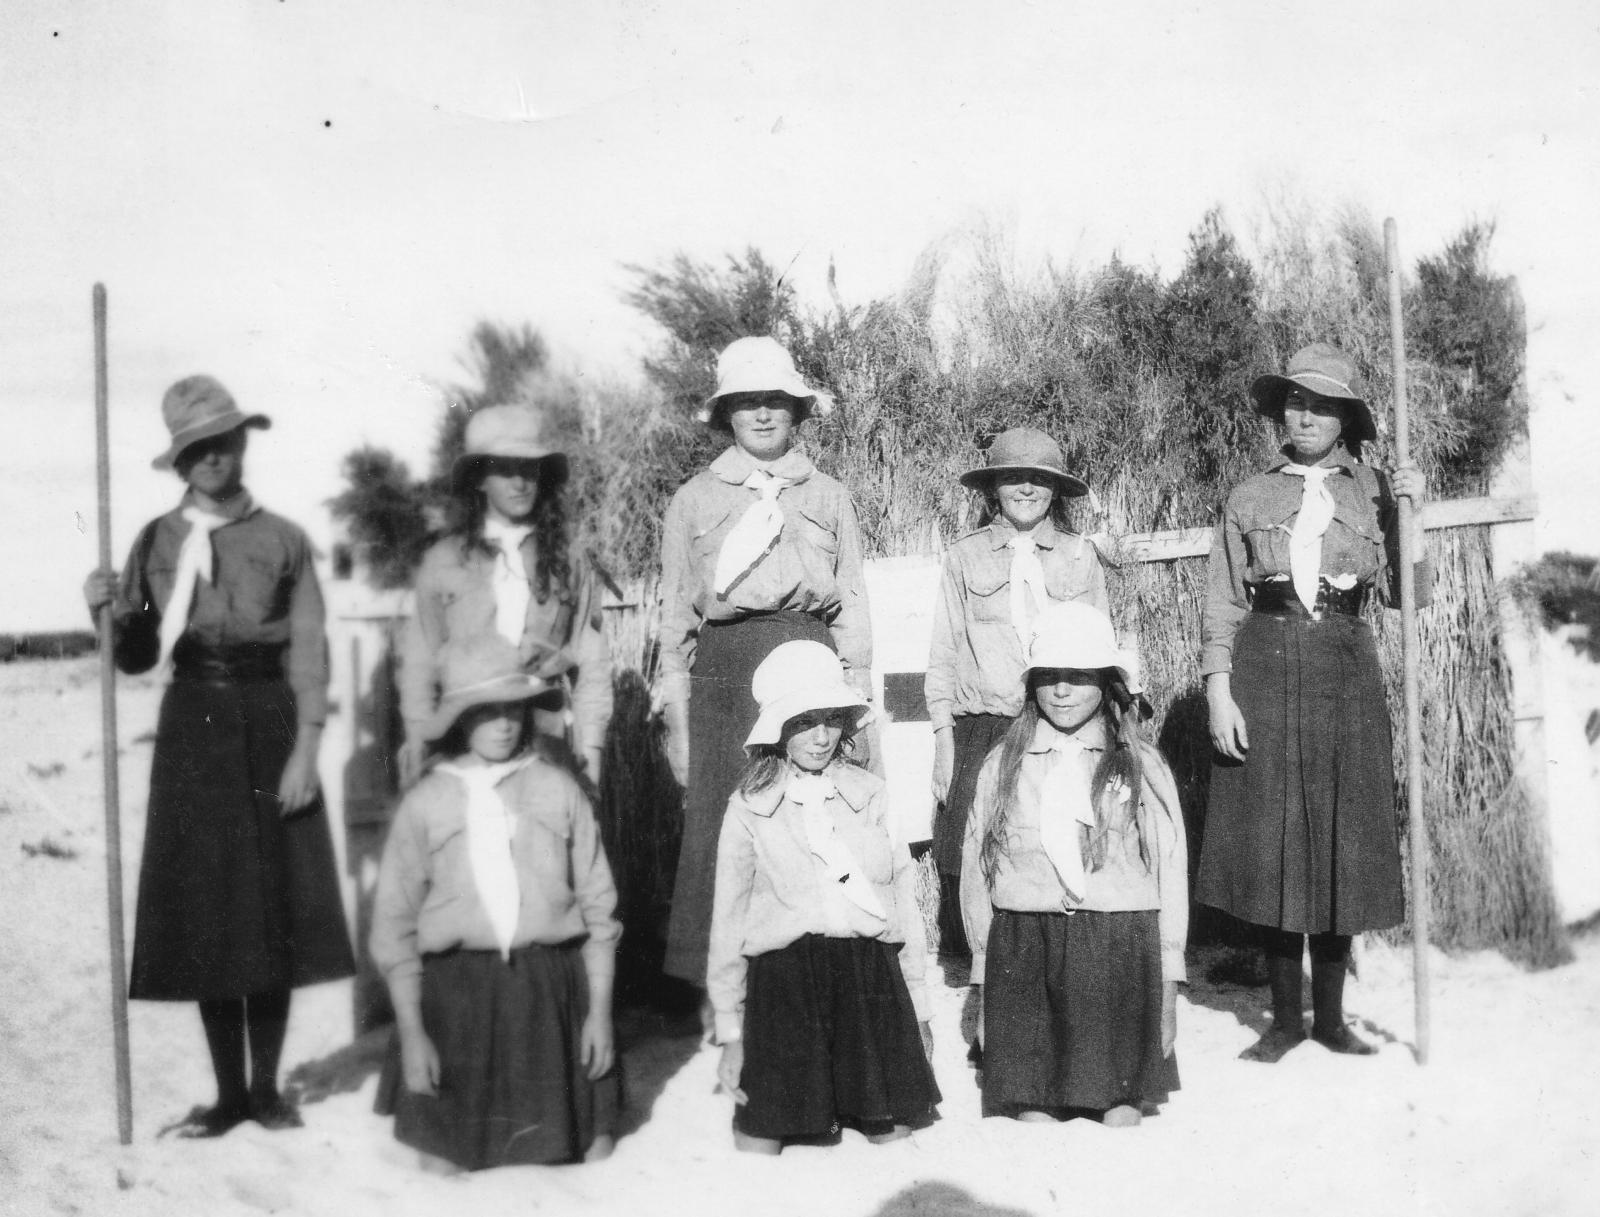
831, 1038
1302, 835
721, 713
1072, 1013
234, 899
512, 1086
975, 735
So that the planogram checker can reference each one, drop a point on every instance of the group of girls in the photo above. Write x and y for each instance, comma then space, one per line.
1059, 842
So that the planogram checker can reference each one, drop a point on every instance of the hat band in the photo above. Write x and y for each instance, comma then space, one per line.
1344, 389
481, 686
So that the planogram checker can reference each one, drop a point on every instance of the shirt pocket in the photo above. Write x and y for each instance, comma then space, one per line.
158, 579
1353, 544
706, 541
989, 597
258, 594
819, 533
1068, 569
1266, 536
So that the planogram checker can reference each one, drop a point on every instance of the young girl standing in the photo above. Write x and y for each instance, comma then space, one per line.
1075, 890
506, 568
493, 925
1022, 557
817, 950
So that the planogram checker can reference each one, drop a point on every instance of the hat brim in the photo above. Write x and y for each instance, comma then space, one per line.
807, 405
1268, 392
208, 430
1068, 485
768, 729
1120, 662
465, 471
511, 687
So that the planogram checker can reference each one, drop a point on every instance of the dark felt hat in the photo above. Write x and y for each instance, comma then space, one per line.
1325, 370
197, 408
1022, 449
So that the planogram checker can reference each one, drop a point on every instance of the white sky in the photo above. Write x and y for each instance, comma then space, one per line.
315, 202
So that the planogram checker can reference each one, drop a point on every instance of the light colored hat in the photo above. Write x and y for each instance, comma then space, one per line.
1327, 371
197, 408
508, 432
761, 365
479, 670
1023, 448
1072, 634
795, 678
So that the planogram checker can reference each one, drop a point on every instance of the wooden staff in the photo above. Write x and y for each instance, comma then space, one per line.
1408, 627
108, 737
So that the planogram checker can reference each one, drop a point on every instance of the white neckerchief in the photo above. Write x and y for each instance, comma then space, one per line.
754, 533
1305, 539
810, 792
1028, 594
195, 562
1064, 804
510, 579
490, 827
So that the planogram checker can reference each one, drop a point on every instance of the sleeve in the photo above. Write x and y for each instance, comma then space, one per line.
1388, 578
726, 966
977, 907
1094, 591
913, 937
423, 635
594, 888
402, 887
136, 622
592, 696
1172, 864
306, 663
852, 627
948, 616
1225, 600
680, 625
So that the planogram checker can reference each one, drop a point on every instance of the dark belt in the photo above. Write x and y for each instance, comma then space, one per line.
1279, 599
195, 662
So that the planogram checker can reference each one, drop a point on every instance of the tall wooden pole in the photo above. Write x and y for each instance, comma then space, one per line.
108, 738
1408, 625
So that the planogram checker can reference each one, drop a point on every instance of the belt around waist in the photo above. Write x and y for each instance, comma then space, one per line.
1278, 599
775, 617
195, 662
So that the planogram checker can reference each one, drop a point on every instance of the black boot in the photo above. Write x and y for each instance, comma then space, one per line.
1288, 1023
1330, 962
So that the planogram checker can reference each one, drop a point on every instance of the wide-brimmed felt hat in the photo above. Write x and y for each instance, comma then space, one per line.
1023, 449
509, 433
796, 678
1325, 370
761, 365
479, 670
1073, 634
198, 408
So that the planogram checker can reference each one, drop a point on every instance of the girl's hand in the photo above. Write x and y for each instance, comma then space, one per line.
729, 1068
927, 1040
298, 786
1169, 1017
598, 1047
419, 1063
1229, 735
944, 762
99, 590
1408, 483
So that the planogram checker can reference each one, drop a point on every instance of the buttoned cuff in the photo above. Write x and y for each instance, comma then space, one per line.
1216, 658
940, 717
1173, 967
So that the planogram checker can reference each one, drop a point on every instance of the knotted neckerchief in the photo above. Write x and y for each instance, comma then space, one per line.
810, 792
755, 532
1028, 593
195, 562
1305, 539
1064, 805
510, 579
490, 828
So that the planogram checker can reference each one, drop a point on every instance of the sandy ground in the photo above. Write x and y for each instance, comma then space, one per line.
1501, 1121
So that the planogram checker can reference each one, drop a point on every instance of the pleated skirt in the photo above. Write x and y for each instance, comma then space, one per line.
1072, 1013
512, 1085
1302, 835
831, 1038
233, 898
721, 713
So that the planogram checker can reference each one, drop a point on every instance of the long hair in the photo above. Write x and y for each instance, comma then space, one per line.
988, 510
1119, 768
552, 564
768, 763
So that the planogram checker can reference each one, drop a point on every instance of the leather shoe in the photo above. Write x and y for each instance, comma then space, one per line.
205, 1122
1342, 1039
276, 1113
1273, 1045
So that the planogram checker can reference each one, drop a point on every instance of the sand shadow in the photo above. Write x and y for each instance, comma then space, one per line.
343, 1071
655, 1045
941, 1200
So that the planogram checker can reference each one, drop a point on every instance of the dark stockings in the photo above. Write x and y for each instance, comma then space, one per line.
261, 1019
1330, 960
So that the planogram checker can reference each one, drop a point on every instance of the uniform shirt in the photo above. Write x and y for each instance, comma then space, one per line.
263, 591
427, 901
814, 567
975, 664
1025, 880
454, 598
1251, 545
770, 891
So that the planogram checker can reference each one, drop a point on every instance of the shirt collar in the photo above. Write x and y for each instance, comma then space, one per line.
1044, 737
852, 784
1341, 460
1001, 531
735, 464
240, 507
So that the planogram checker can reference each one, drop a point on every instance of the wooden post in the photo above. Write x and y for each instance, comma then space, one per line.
108, 738
1408, 617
